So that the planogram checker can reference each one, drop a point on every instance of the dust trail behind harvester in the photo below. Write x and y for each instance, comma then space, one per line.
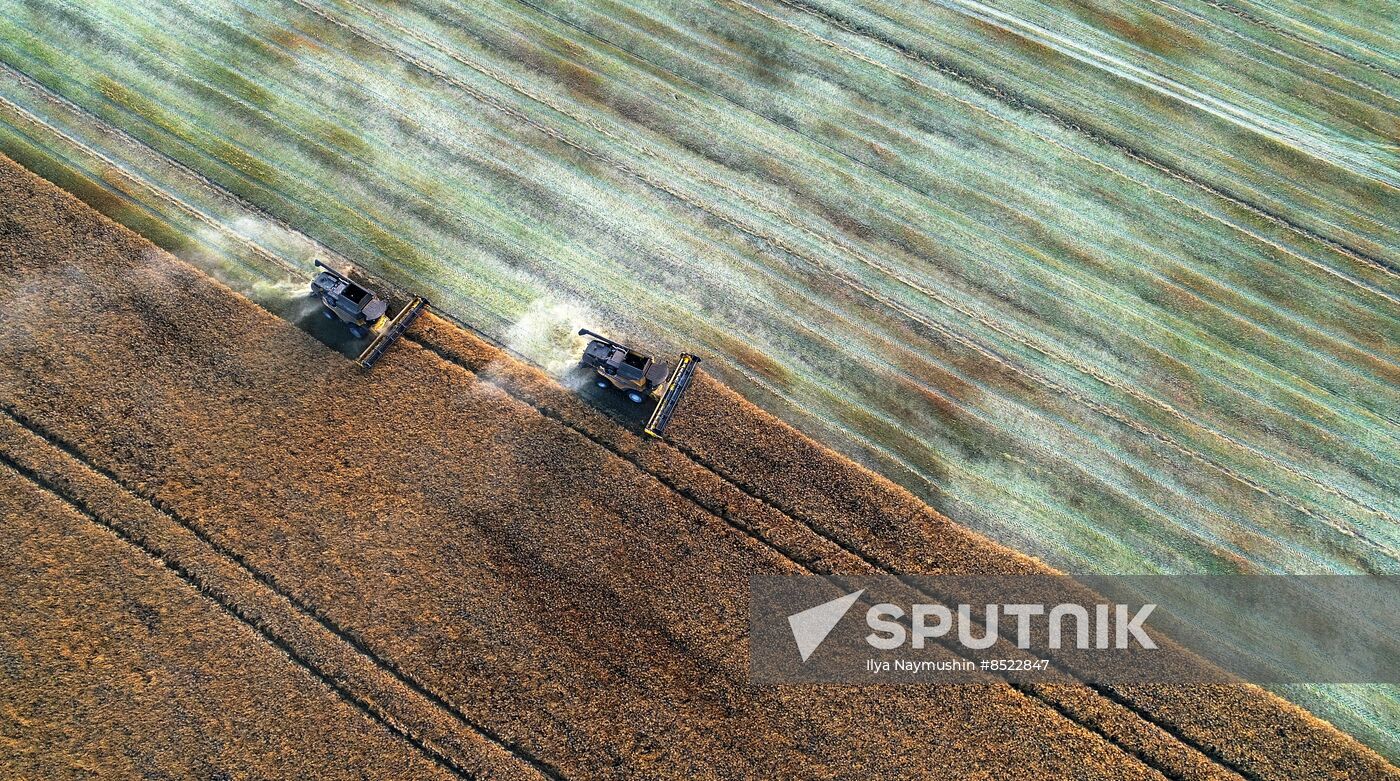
547, 334
288, 298
286, 295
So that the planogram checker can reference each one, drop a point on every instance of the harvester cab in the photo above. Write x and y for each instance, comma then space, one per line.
639, 376
345, 300
364, 312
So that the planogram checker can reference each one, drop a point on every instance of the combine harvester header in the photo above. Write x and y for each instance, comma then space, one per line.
675, 387
392, 331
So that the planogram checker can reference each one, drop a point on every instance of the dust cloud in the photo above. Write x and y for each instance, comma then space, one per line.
547, 334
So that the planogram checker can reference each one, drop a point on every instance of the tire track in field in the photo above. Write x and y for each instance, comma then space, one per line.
1205, 20
1049, 697
1336, 525
1033, 691
1341, 340
404, 690
1019, 102
1293, 138
1240, 13
213, 595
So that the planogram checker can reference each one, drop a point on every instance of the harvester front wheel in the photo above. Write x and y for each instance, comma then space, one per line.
636, 397
602, 383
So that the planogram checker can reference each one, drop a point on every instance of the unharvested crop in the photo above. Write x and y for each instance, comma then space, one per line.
115, 667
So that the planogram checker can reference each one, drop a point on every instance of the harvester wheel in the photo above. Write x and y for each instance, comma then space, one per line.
602, 383
328, 313
636, 397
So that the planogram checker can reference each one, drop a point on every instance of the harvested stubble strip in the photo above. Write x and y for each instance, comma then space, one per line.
528, 571
114, 667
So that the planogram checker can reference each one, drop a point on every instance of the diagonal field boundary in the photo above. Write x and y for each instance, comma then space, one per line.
1055, 699
403, 701
375, 686
1148, 722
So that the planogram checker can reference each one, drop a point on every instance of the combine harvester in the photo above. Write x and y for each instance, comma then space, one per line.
639, 376
363, 311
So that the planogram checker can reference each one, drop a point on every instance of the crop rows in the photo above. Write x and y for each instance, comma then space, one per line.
91, 621
1112, 283
480, 534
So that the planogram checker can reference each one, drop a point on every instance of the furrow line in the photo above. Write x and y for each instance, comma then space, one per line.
1016, 101
1202, 19
1293, 138
360, 648
1240, 13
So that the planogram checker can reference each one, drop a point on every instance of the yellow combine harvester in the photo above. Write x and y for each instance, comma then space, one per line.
363, 311
639, 376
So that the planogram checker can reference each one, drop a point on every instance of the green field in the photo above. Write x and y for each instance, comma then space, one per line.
1115, 282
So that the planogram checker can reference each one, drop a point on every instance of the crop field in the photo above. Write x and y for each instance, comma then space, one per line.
494, 581
99, 639
1112, 282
